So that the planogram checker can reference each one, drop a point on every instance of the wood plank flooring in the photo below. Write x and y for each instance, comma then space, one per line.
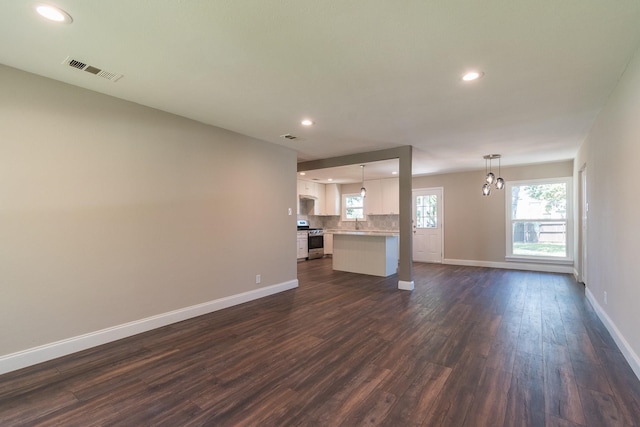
468, 347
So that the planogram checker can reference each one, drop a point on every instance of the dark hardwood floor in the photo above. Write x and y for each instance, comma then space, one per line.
469, 347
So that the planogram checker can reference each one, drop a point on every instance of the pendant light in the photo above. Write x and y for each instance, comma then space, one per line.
490, 177
363, 191
499, 181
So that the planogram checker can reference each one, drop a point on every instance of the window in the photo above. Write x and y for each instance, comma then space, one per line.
427, 211
353, 207
539, 220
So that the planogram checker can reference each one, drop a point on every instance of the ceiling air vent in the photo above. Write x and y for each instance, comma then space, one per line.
91, 69
288, 136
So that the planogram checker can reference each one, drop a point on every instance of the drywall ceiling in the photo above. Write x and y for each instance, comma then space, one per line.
371, 74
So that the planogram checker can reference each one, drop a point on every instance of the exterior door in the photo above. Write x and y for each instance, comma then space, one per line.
427, 225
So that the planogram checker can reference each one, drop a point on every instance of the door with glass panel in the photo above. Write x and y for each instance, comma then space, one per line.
427, 225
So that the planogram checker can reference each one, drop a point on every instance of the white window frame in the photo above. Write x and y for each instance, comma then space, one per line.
344, 207
569, 219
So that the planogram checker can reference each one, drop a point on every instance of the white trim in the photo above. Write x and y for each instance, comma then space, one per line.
628, 353
32, 356
531, 266
539, 260
405, 285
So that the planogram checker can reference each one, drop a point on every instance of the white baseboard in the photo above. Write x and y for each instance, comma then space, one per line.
405, 286
32, 356
531, 266
625, 348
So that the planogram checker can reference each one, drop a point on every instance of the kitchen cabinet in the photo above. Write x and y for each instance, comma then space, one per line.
390, 196
319, 202
382, 196
366, 253
328, 244
322, 199
313, 198
373, 200
303, 246
331, 200
308, 188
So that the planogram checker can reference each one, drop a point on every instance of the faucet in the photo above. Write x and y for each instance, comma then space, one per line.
356, 223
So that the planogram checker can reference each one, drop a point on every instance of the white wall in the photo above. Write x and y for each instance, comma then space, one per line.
111, 212
611, 153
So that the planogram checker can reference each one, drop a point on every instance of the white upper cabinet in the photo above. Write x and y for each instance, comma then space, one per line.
373, 200
307, 188
382, 196
319, 202
315, 198
331, 199
391, 196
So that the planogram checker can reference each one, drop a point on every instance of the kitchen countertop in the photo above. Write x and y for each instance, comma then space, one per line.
382, 233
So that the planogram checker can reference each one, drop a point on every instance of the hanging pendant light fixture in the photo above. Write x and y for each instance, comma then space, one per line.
363, 191
499, 181
490, 177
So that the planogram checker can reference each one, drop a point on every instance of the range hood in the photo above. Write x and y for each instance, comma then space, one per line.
308, 197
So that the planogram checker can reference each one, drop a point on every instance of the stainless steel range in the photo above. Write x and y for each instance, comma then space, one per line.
315, 239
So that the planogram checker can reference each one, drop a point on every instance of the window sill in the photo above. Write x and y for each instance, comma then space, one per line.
539, 260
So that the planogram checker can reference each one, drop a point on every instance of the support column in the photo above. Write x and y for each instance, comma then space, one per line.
405, 269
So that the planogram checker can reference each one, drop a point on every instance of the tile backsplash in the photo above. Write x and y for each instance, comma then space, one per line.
373, 222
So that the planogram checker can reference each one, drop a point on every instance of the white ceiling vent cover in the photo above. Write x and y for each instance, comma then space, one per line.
91, 69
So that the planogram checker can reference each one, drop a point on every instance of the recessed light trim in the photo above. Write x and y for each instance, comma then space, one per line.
306, 122
53, 13
302, 173
472, 75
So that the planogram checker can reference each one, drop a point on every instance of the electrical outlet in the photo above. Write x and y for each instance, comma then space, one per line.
258, 279
290, 211
605, 297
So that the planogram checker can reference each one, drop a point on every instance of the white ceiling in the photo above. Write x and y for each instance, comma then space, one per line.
372, 74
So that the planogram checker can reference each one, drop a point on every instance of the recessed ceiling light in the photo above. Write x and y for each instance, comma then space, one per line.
330, 179
302, 173
306, 122
53, 13
472, 75
394, 173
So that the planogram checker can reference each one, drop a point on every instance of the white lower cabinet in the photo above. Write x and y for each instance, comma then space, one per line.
328, 244
303, 245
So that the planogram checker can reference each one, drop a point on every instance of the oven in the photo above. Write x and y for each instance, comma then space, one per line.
315, 239
316, 243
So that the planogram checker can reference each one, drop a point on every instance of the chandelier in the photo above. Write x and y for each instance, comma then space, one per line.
490, 177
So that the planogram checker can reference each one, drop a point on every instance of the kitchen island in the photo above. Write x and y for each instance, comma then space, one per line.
366, 252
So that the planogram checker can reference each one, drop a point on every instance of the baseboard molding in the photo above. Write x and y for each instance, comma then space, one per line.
35, 355
405, 285
531, 266
623, 345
